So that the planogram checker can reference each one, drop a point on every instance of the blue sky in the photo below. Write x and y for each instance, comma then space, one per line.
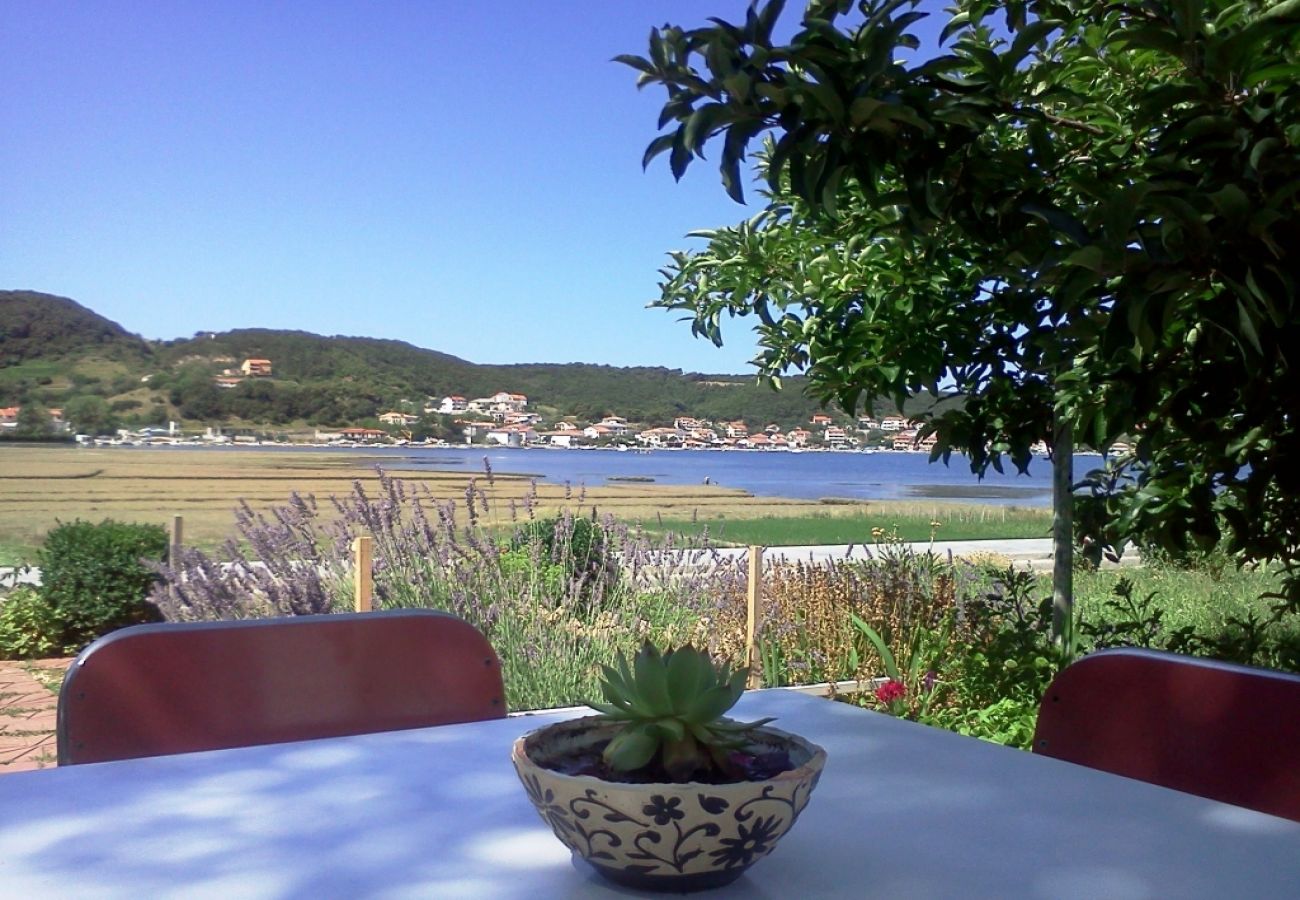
462, 176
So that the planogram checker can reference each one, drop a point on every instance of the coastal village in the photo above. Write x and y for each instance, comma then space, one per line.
504, 419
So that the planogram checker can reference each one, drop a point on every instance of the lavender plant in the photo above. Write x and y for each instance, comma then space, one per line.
552, 627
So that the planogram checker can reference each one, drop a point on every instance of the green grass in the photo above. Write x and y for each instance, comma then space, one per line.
777, 531
14, 553
1204, 597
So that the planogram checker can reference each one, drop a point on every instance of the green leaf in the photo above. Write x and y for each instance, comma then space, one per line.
651, 681
630, 749
657, 146
1026, 38
882, 649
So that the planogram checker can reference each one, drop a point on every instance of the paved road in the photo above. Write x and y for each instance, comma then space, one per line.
1028, 553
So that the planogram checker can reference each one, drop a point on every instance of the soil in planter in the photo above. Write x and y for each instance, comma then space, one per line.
755, 765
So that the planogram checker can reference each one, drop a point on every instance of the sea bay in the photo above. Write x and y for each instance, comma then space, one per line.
809, 475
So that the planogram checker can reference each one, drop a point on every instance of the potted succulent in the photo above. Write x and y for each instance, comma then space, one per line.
660, 791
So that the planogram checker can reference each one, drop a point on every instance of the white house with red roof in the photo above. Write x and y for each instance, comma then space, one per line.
512, 435
835, 437
662, 437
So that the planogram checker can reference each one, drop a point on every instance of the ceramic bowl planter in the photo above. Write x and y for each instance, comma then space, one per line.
664, 836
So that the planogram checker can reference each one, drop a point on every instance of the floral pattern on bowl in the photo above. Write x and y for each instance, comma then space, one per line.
664, 836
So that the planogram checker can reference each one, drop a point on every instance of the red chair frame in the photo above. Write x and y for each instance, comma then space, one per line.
1214, 729
150, 690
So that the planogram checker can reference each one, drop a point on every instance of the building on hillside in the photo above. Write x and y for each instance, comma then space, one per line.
9, 416
736, 429
398, 418
226, 382
617, 425
256, 368
597, 432
504, 401
821, 419
868, 423
687, 423
893, 423
452, 404
798, 437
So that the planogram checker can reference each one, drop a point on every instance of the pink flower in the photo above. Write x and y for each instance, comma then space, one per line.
890, 691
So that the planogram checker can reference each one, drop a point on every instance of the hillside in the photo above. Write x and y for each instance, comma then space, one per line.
54, 351
42, 326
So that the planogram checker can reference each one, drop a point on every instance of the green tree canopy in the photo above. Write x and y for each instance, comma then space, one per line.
1087, 209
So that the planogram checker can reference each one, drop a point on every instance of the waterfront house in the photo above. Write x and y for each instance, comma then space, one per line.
512, 436
662, 437
835, 437
363, 434
799, 437
736, 429
569, 439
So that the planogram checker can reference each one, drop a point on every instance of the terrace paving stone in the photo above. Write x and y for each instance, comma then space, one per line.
28, 711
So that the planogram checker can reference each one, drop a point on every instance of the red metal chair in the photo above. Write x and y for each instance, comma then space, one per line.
150, 690
1218, 730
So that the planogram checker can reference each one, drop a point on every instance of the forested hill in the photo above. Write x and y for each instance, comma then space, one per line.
53, 350
42, 326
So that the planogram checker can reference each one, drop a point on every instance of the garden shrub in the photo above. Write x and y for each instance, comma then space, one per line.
582, 547
95, 577
30, 628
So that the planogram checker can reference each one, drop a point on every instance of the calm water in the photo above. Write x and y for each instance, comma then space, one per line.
809, 475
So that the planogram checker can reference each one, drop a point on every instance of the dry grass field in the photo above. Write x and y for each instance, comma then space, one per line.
41, 486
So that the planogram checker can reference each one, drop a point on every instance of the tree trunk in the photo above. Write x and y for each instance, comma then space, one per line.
1062, 531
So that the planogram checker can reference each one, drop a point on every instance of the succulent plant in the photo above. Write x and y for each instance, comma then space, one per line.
671, 708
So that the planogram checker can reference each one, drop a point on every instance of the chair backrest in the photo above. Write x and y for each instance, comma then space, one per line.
1218, 730
150, 690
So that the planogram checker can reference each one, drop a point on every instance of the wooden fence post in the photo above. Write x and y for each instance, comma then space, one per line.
362, 550
754, 598
175, 538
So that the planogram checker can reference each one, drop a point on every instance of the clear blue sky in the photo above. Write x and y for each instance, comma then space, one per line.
463, 176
